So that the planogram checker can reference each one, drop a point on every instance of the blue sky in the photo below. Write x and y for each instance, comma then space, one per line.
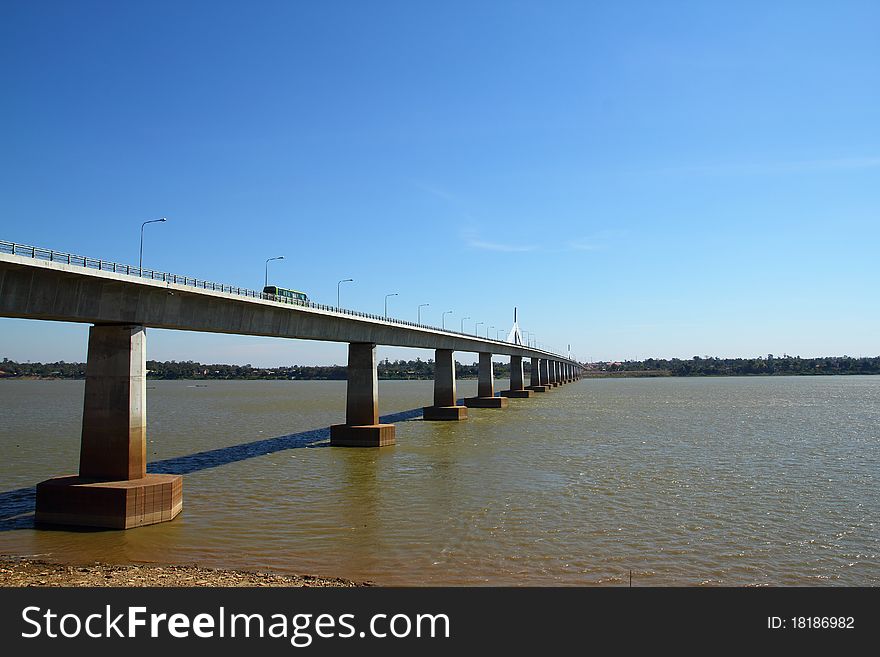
639, 178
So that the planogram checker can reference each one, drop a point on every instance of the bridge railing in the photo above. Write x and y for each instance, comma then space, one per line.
39, 253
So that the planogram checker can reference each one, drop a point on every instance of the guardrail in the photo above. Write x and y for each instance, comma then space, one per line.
39, 253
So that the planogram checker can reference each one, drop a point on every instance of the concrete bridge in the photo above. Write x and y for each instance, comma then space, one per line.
120, 301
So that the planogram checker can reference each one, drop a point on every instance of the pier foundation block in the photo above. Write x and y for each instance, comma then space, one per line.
517, 394
450, 413
486, 402
366, 435
75, 500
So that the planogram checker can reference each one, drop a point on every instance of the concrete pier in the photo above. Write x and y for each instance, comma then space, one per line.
444, 407
517, 389
486, 386
545, 374
362, 428
113, 488
536, 383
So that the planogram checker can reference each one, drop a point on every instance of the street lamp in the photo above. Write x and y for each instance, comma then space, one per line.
267, 269
393, 294
462, 324
488, 328
421, 305
347, 280
476, 326
497, 332
443, 318
141, 257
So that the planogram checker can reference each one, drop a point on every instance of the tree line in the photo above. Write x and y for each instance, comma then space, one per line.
172, 369
762, 365
424, 369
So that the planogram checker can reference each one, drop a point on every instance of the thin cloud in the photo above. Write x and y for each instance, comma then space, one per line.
595, 242
584, 246
777, 168
495, 246
433, 190
473, 241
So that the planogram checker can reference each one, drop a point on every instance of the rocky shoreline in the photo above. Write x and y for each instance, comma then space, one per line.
22, 572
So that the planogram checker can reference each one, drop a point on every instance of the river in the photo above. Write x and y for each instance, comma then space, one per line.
683, 481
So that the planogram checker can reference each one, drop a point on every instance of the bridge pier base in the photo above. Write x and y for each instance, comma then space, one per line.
517, 394
517, 390
444, 407
444, 413
364, 435
486, 402
113, 488
85, 502
362, 428
486, 387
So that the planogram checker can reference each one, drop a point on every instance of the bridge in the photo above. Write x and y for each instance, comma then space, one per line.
120, 301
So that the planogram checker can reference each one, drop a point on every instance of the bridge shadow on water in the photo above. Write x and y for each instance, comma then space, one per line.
17, 506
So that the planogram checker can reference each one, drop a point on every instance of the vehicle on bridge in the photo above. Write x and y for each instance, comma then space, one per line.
283, 294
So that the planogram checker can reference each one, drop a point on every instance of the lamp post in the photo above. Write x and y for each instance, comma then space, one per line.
488, 328
497, 332
462, 323
267, 269
476, 326
421, 305
347, 280
393, 294
443, 318
141, 256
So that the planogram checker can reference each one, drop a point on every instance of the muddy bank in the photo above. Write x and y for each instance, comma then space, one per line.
16, 571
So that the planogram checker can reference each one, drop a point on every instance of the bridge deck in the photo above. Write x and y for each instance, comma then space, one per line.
41, 284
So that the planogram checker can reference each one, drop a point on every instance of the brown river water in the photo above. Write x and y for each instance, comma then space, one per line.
730, 481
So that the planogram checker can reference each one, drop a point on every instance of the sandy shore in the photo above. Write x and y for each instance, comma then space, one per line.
15, 571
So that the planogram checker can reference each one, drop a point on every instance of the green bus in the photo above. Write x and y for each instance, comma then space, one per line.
284, 294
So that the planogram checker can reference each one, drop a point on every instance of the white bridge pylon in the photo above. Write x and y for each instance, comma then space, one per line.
515, 336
